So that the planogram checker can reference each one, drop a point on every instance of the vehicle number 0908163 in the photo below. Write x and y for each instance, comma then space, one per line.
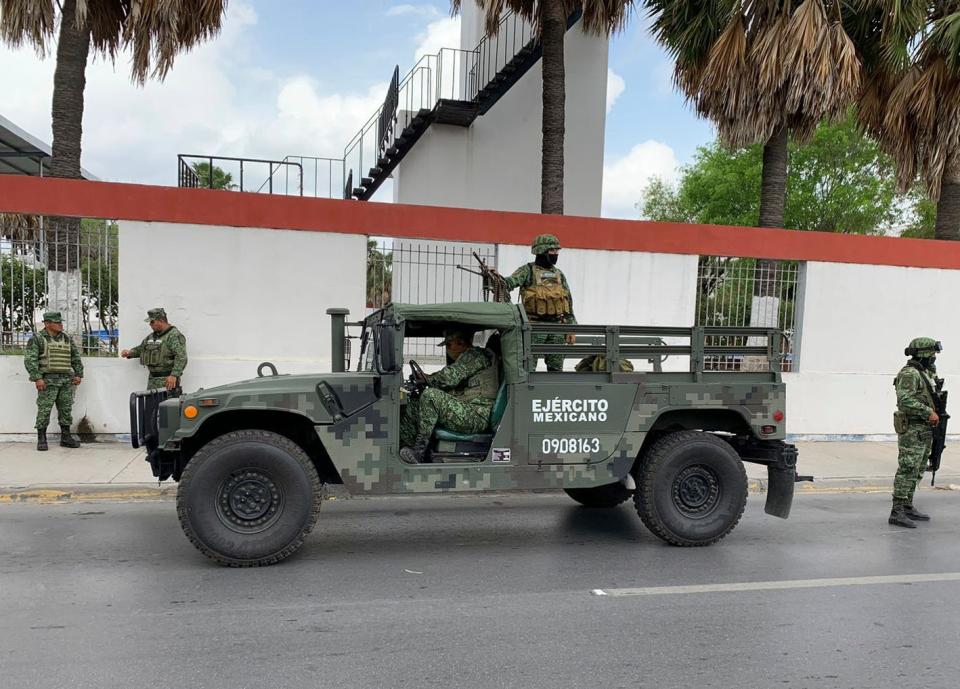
569, 446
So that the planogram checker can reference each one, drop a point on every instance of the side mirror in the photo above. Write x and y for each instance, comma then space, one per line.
387, 349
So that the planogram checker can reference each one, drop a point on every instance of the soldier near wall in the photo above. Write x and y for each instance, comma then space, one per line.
545, 294
163, 352
914, 421
53, 362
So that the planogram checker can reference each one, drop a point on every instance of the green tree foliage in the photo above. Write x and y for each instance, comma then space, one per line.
221, 179
23, 292
379, 275
839, 182
99, 267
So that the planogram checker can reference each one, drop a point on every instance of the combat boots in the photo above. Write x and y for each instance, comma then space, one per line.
42, 441
915, 514
416, 454
898, 517
67, 440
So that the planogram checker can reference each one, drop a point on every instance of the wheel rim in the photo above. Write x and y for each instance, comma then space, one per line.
249, 501
696, 491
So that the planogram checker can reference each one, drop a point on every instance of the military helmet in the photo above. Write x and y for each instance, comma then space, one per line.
543, 243
923, 347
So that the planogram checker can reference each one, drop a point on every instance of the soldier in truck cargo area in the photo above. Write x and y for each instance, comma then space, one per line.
53, 363
163, 352
458, 397
914, 421
545, 294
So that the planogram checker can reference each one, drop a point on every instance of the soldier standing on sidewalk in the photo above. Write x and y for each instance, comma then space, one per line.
914, 421
163, 352
53, 362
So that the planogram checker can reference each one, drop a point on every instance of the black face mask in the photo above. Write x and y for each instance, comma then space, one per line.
546, 260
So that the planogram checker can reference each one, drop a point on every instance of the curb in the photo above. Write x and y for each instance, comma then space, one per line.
80, 493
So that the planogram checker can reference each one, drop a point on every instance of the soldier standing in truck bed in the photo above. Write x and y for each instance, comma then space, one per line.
545, 294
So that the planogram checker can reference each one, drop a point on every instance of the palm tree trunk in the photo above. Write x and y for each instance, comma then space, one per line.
773, 187
948, 207
765, 305
63, 234
553, 29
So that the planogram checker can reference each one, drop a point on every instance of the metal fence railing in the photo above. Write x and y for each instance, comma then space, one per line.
282, 177
64, 265
747, 292
423, 272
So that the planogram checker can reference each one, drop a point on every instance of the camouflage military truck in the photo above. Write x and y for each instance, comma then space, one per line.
251, 457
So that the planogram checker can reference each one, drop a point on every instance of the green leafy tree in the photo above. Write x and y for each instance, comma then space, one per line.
23, 292
379, 275
100, 271
220, 179
839, 182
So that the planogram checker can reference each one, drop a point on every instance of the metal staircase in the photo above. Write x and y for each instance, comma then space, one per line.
452, 87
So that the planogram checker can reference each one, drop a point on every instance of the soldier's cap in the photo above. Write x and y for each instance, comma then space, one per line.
52, 317
154, 314
543, 243
450, 334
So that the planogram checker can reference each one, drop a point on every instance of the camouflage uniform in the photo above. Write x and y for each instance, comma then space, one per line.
442, 403
914, 433
59, 382
170, 358
526, 276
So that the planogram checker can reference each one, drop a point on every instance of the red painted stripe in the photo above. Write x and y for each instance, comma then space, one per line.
20, 194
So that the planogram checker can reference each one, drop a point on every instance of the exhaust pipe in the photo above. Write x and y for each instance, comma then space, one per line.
337, 339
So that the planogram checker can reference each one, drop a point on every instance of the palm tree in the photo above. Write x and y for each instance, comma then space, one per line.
762, 71
549, 19
911, 101
155, 32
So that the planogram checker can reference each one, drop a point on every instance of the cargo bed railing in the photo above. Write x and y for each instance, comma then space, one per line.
762, 347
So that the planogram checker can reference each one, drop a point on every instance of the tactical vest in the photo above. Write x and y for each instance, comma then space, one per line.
55, 355
545, 297
924, 391
482, 387
155, 354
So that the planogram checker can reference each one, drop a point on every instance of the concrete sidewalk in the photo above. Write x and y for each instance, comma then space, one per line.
113, 470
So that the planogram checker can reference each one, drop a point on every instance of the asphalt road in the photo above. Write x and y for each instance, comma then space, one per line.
492, 591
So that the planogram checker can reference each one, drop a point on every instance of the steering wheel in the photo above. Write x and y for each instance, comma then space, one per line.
417, 382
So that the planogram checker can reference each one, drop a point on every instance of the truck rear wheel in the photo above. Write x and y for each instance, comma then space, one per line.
248, 498
692, 489
609, 495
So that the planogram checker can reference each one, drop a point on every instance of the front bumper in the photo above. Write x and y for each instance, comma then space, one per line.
147, 420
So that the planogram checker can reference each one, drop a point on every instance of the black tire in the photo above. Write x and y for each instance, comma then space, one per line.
248, 498
692, 489
606, 496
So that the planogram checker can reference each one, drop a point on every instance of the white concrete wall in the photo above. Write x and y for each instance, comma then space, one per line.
495, 163
241, 296
857, 319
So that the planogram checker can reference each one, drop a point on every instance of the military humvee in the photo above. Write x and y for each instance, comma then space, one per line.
251, 457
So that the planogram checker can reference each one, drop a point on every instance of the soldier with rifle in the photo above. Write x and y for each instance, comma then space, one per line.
920, 423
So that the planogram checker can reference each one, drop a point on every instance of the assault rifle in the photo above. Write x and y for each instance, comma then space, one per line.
493, 284
940, 431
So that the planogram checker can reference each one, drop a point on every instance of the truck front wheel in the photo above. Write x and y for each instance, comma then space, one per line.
692, 489
248, 498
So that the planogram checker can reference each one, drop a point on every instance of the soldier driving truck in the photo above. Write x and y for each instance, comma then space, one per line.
251, 457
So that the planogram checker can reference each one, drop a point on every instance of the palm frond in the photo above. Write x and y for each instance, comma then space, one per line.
27, 21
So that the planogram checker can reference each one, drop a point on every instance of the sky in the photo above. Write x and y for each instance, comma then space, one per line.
300, 77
